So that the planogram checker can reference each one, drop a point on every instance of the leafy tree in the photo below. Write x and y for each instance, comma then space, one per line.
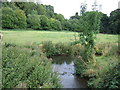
104, 26
90, 24
76, 16
59, 17
40, 9
75, 25
50, 14
66, 25
20, 21
33, 21
55, 24
83, 8
49, 7
8, 18
114, 21
49, 11
44, 22
27, 7
9, 4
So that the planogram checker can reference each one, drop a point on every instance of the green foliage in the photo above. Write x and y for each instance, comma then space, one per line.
80, 66
114, 21
20, 21
21, 67
55, 24
56, 49
76, 16
59, 17
13, 18
44, 22
40, 9
33, 21
90, 22
74, 25
49, 48
104, 26
9, 4
8, 18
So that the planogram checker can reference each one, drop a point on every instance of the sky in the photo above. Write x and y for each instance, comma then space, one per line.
70, 7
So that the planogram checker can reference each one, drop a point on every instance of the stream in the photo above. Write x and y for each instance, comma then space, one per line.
64, 65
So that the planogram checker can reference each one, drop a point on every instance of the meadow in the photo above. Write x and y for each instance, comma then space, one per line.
23, 37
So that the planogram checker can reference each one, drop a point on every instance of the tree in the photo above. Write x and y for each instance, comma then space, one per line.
114, 21
76, 16
90, 24
44, 22
9, 4
104, 26
8, 18
67, 25
40, 9
59, 17
55, 25
33, 21
75, 25
83, 8
20, 21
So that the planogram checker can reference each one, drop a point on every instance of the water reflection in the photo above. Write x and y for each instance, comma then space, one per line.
64, 65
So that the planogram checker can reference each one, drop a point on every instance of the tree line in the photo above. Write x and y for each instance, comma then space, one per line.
23, 15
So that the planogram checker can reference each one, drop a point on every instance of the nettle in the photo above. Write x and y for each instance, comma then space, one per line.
90, 24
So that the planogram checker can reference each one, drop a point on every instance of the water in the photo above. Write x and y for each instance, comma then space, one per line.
64, 65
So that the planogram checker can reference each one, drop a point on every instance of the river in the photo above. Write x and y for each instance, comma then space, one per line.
64, 65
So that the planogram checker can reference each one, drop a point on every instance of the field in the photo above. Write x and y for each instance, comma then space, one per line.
27, 37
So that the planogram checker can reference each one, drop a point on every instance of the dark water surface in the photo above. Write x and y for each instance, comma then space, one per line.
64, 65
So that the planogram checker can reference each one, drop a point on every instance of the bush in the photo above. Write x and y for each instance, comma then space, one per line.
49, 48
21, 69
56, 49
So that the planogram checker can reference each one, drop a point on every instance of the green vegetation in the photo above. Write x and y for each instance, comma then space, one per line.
22, 37
27, 67
17, 15
33, 32
105, 71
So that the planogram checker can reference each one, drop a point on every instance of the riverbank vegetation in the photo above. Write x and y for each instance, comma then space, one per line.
33, 33
106, 55
27, 67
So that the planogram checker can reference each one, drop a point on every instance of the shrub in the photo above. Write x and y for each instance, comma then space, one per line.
49, 48
56, 49
22, 69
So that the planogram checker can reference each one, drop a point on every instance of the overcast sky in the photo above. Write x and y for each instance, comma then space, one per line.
70, 7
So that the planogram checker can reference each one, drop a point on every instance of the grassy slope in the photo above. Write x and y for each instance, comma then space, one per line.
27, 37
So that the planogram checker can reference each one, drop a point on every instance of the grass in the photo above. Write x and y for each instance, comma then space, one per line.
22, 37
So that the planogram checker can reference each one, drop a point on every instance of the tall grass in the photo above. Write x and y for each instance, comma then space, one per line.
105, 71
27, 68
